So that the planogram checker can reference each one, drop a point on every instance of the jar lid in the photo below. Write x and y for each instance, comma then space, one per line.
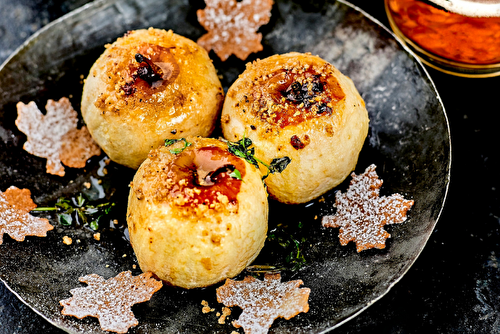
476, 8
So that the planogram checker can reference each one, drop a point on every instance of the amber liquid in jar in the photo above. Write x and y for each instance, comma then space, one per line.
469, 40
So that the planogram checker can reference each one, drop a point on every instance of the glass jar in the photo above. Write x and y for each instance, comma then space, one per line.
452, 42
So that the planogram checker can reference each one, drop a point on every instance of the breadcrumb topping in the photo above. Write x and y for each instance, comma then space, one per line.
297, 92
196, 181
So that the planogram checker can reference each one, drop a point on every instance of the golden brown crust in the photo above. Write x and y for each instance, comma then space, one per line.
194, 180
300, 106
148, 86
189, 221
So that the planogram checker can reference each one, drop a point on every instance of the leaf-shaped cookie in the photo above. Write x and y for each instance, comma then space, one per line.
111, 300
362, 213
232, 26
263, 301
15, 220
54, 136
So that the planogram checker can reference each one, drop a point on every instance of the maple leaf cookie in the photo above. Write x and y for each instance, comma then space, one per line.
362, 213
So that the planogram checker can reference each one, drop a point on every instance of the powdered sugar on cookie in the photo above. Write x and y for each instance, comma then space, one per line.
232, 26
362, 213
15, 220
54, 136
263, 301
111, 300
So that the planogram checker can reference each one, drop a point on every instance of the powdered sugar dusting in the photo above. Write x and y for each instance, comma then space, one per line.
111, 300
46, 133
263, 301
15, 220
362, 213
232, 26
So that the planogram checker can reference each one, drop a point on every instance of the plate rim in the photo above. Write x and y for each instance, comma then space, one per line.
96, 4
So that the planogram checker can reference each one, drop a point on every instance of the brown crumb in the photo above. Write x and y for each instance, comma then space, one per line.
225, 313
87, 185
206, 308
67, 240
225, 118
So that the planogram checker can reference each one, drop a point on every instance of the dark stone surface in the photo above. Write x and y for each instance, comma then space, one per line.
454, 286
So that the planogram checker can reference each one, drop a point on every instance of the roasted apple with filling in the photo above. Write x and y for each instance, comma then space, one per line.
300, 106
197, 214
147, 86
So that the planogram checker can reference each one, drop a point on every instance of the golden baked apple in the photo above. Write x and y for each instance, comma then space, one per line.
299, 106
197, 214
147, 86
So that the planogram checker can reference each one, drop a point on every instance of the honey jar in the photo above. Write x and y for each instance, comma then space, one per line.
460, 37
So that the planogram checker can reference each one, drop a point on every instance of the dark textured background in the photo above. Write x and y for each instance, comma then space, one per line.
454, 286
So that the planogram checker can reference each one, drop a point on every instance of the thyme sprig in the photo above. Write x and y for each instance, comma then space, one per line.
292, 245
242, 149
79, 210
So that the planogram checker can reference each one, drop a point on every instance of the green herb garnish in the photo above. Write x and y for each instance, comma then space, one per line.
242, 149
79, 210
235, 174
277, 165
282, 237
169, 142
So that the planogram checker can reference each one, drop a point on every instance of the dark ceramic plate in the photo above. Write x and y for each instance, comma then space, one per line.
408, 141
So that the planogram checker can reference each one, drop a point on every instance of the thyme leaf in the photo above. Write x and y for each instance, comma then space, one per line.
169, 142
242, 149
65, 219
236, 174
277, 165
